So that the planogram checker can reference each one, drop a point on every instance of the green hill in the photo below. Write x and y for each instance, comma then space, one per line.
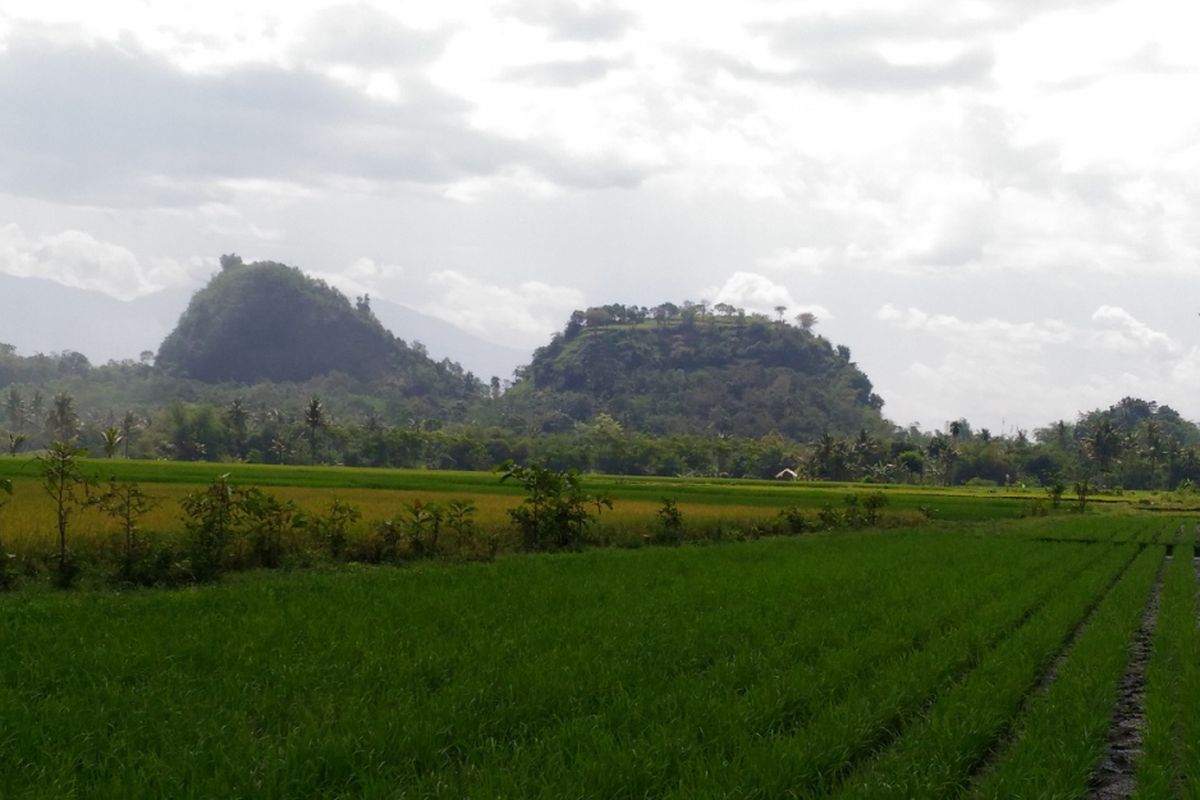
266, 321
689, 372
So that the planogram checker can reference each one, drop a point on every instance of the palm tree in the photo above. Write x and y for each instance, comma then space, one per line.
314, 418
62, 423
780, 310
110, 439
1103, 443
129, 426
237, 416
14, 409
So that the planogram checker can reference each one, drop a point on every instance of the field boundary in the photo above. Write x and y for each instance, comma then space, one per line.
1116, 774
1004, 737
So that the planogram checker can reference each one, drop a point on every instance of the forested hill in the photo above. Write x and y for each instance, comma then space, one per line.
270, 322
690, 370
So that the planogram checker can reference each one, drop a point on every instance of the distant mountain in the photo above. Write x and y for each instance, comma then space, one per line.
693, 373
43, 316
443, 340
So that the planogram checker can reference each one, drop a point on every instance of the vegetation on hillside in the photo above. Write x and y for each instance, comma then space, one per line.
270, 322
690, 370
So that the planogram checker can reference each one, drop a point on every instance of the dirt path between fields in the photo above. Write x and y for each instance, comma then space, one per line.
1116, 775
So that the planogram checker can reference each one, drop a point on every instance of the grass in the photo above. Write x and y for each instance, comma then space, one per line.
1170, 738
868, 663
937, 754
1062, 735
606, 673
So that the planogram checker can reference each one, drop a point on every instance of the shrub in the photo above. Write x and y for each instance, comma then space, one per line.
671, 518
555, 511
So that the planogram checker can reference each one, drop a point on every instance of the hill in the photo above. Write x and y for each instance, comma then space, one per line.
267, 321
670, 370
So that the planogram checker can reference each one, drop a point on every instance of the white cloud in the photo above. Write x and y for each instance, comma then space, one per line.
76, 258
1126, 334
756, 293
364, 276
523, 315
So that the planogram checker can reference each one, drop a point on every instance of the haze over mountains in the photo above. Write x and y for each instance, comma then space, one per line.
39, 315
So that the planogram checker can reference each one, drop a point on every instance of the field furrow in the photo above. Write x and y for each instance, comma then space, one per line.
936, 755
1161, 766
1063, 731
815, 757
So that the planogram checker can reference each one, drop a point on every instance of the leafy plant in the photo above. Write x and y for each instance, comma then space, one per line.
6, 576
127, 504
555, 512
671, 531
333, 528
268, 520
794, 520
212, 517
67, 486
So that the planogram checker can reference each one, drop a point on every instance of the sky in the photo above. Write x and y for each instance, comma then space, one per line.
995, 205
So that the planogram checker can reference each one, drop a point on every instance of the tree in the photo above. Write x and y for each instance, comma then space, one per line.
110, 439
237, 417
314, 418
67, 486
129, 426
780, 311
14, 410
807, 320
555, 512
127, 504
1103, 443
62, 423
15, 441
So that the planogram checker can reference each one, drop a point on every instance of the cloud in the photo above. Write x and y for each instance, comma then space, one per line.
76, 258
581, 22
364, 276
523, 315
1126, 334
361, 35
113, 126
563, 72
759, 294
1028, 372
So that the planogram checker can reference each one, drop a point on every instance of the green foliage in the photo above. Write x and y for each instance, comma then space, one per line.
268, 523
126, 503
674, 377
555, 512
332, 529
270, 322
212, 517
6, 576
64, 481
671, 519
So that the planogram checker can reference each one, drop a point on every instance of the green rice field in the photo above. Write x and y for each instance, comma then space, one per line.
980, 655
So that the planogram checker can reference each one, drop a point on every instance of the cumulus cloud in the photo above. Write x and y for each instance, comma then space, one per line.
522, 315
1028, 372
760, 294
76, 258
1124, 333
